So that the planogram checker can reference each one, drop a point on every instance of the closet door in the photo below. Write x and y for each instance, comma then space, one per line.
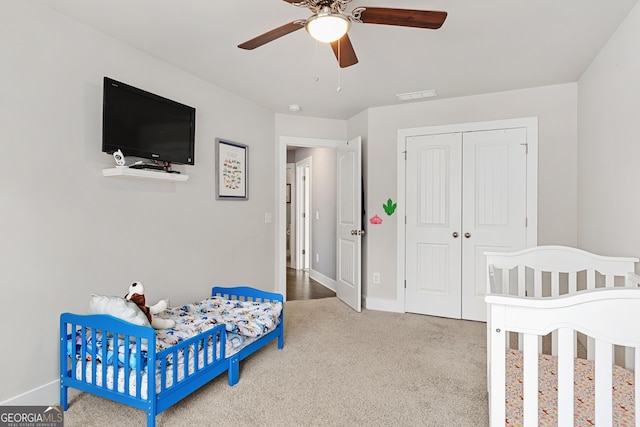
465, 195
494, 207
433, 238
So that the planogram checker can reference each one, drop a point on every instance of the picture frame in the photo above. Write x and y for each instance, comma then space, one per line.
232, 170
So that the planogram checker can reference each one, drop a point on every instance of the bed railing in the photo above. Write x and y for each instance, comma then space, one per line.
127, 356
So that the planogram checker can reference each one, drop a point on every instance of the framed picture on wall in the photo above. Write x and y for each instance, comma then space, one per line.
231, 170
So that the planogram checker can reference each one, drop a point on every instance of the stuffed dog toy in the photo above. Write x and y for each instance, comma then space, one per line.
136, 295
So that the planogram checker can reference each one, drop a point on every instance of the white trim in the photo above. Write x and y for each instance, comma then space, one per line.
46, 394
281, 223
325, 281
530, 123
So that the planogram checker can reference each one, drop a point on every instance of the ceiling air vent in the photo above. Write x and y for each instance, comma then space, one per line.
410, 96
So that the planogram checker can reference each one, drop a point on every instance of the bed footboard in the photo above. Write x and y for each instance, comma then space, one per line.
244, 293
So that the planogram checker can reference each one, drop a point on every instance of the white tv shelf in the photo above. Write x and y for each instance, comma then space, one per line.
126, 172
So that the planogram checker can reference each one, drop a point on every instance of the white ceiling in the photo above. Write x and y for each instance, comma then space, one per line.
483, 46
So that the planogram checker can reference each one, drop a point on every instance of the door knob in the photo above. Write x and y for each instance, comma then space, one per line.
467, 235
455, 234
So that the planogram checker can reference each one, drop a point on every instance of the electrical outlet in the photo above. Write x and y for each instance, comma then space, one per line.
376, 278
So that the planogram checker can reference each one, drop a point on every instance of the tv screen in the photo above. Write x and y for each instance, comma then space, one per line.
142, 124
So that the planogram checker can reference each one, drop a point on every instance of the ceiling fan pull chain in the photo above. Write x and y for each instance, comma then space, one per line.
339, 88
317, 62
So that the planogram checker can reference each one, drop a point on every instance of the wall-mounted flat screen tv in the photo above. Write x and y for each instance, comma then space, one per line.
142, 124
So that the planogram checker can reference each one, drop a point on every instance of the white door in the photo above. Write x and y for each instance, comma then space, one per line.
466, 194
433, 242
290, 212
303, 201
349, 224
494, 203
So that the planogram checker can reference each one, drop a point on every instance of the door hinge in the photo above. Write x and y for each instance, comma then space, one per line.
304, 252
405, 283
405, 155
526, 221
526, 148
304, 215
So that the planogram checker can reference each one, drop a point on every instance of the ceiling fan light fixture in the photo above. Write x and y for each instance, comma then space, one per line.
327, 27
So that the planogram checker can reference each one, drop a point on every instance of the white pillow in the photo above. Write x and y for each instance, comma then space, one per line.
117, 307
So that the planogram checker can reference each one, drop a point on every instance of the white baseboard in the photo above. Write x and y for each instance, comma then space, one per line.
380, 304
47, 394
325, 281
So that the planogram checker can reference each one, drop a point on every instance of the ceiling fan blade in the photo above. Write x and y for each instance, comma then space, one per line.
270, 36
345, 54
431, 19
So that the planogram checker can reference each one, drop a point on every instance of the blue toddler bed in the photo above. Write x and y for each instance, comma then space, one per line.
103, 355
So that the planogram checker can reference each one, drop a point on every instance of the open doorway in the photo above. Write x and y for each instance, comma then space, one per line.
310, 214
334, 215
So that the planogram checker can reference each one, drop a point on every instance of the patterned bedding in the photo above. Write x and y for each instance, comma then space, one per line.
584, 390
242, 319
244, 322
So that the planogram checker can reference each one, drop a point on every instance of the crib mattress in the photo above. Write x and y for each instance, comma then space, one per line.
584, 390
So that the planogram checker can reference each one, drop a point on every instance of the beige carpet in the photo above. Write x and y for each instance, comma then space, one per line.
338, 368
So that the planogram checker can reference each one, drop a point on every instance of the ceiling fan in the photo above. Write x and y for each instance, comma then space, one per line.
330, 24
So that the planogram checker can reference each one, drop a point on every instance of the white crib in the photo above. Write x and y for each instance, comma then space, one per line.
583, 311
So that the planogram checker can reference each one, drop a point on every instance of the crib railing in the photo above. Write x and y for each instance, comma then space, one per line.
532, 318
552, 271
547, 300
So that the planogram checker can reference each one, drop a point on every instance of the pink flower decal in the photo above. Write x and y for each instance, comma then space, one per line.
375, 220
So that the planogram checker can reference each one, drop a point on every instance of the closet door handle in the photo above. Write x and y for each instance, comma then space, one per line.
467, 235
455, 234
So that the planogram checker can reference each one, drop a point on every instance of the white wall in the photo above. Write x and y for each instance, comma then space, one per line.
310, 127
555, 107
67, 231
609, 148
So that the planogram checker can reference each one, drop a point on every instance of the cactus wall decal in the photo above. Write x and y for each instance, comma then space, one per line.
389, 207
